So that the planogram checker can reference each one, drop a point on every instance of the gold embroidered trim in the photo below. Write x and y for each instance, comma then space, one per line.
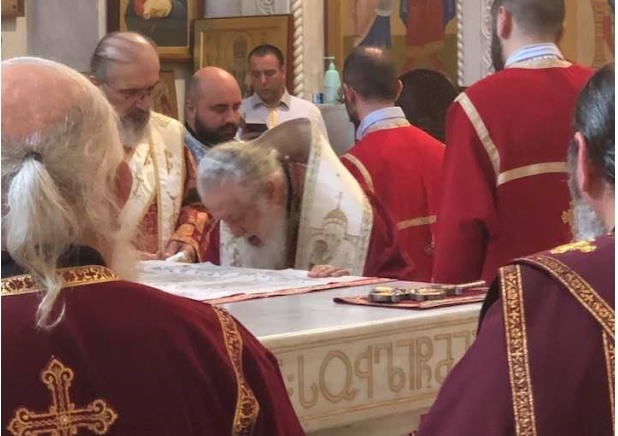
537, 64
63, 417
481, 130
247, 406
414, 222
361, 168
531, 170
158, 190
72, 277
579, 288
582, 246
610, 358
517, 351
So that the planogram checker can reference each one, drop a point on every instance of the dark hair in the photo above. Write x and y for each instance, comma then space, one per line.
116, 47
371, 72
266, 49
594, 119
536, 17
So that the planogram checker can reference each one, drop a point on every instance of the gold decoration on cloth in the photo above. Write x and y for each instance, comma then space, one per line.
568, 217
579, 288
531, 170
415, 222
517, 351
582, 246
481, 130
362, 169
63, 418
71, 277
610, 361
247, 406
158, 167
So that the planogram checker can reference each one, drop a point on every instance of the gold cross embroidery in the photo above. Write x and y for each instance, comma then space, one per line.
568, 216
62, 418
168, 161
139, 182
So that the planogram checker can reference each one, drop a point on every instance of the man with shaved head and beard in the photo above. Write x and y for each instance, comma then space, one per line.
163, 206
503, 191
212, 110
543, 359
85, 351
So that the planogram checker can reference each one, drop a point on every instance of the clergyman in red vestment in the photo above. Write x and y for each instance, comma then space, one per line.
84, 351
543, 361
285, 200
503, 187
163, 207
396, 161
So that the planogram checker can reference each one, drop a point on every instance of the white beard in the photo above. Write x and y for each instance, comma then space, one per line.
588, 225
272, 253
132, 132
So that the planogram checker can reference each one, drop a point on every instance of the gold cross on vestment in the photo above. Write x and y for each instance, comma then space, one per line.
62, 418
568, 216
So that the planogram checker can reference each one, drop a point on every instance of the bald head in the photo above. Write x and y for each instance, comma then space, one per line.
50, 110
210, 81
29, 100
213, 105
121, 48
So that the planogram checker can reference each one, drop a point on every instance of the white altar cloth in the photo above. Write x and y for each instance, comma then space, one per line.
205, 281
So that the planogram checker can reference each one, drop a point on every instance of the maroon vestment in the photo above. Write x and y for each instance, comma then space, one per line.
543, 361
401, 166
128, 359
503, 191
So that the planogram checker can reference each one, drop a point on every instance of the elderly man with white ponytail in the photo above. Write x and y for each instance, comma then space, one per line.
84, 350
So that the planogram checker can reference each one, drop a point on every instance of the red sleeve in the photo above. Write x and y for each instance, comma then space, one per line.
210, 246
466, 206
194, 221
384, 257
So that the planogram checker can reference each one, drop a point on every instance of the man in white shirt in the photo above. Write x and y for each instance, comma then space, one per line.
271, 104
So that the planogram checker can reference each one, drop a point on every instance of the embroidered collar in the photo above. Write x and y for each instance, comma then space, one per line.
79, 266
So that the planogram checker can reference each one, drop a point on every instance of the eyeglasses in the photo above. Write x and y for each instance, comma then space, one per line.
153, 91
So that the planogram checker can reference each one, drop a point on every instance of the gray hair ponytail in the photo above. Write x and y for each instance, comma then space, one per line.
58, 184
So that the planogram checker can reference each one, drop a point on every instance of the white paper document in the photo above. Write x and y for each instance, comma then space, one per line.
205, 281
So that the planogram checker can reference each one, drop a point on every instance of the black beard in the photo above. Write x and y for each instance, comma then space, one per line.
217, 136
496, 52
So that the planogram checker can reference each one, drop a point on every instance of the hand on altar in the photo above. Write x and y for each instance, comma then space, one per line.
323, 271
145, 255
175, 247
